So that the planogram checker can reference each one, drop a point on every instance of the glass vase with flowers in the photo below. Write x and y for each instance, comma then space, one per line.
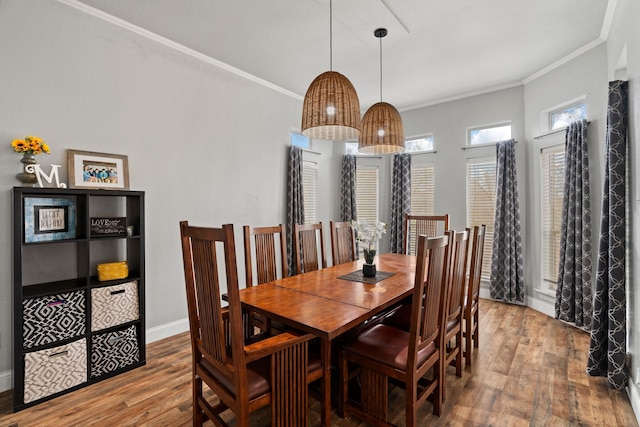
367, 235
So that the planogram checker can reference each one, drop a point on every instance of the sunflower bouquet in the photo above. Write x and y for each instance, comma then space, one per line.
30, 145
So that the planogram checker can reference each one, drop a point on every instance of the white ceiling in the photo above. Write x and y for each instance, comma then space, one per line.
435, 50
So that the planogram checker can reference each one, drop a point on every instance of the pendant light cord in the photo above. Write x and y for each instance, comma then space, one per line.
330, 35
380, 69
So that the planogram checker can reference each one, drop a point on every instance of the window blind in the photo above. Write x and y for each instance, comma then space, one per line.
367, 193
552, 176
422, 195
309, 178
481, 201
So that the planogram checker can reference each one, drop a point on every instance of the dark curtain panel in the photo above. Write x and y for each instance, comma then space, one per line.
609, 327
348, 189
295, 203
507, 272
573, 293
400, 201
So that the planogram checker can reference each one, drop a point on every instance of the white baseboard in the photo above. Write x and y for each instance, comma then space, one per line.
5, 381
153, 334
167, 330
633, 391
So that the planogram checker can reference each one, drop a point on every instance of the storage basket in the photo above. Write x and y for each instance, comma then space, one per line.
53, 318
53, 370
114, 305
114, 350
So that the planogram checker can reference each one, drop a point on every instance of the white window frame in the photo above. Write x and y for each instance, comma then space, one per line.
563, 108
428, 136
488, 126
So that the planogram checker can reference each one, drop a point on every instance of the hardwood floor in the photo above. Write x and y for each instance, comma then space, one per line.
529, 371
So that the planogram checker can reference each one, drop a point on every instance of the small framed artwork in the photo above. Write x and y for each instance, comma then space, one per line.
49, 218
98, 170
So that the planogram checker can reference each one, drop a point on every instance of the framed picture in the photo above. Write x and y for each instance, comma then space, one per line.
49, 218
98, 170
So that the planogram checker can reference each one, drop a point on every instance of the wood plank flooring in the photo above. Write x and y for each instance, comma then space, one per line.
529, 371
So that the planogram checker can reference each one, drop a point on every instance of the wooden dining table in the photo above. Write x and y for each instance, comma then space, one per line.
327, 305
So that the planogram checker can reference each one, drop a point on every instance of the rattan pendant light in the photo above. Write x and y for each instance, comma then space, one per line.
331, 108
382, 130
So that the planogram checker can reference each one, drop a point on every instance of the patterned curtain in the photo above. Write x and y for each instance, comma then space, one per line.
295, 203
348, 189
400, 201
507, 272
573, 293
609, 327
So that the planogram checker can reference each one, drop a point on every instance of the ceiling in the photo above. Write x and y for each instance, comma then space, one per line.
435, 50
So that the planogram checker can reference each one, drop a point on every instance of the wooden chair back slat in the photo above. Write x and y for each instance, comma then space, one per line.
430, 292
309, 255
422, 225
269, 251
343, 242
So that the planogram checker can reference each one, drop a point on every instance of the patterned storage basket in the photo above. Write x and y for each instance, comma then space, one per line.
53, 318
50, 371
114, 350
114, 305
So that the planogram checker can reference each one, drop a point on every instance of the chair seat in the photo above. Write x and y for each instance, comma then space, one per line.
258, 374
388, 345
401, 319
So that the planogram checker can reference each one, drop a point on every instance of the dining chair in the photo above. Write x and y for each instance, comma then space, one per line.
381, 352
471, 315
343, 242
453, 350
245, 376
308, 244
268, 247
427, 225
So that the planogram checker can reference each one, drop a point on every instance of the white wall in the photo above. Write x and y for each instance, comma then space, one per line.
623, 50
206, 145
581, 78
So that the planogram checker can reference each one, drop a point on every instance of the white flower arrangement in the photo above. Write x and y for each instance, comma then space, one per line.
368, 234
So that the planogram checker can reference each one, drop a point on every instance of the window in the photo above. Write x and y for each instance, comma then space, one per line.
367, 193
418, 145
298, 140
481, 200
309, 178
559, 119
552, 176
489, 134
422, 190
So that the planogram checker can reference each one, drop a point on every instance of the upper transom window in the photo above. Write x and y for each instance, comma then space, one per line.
489, 134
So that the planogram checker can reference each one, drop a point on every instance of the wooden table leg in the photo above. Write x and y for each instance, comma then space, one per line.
325, 407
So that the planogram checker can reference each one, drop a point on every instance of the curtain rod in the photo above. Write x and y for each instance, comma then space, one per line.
554, 132
469, 147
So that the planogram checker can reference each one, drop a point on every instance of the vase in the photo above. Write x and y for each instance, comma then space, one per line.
369, 270
27, 177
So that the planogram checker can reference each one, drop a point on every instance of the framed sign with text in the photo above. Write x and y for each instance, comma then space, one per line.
49, 218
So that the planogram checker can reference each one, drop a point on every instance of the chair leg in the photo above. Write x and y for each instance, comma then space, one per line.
468, 339
476, 328
438, 395
343, 388
459, 356
198, 418
411, 397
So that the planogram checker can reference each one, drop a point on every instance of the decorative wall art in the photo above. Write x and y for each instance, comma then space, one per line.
98, 170
49, 218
